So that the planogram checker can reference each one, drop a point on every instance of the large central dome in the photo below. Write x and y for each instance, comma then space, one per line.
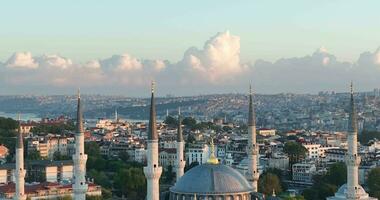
212, 179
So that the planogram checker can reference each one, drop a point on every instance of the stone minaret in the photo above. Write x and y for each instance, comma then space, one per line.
180, 165
352, 157
20, 171
253, 173
152, 171
79, 158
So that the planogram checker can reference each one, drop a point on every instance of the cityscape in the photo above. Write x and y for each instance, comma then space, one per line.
200, 100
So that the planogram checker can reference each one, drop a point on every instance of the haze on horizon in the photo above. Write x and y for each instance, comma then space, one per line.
189, 48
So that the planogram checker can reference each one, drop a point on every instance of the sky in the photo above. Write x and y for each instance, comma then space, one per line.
188, 47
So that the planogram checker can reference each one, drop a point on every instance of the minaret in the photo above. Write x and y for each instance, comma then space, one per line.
253, 173
20, 171
79, 158
180, 165
152, 171
352, 157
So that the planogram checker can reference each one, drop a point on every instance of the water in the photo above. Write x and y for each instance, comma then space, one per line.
24, 116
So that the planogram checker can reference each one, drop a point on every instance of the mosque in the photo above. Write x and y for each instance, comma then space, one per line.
215, 181
208, 181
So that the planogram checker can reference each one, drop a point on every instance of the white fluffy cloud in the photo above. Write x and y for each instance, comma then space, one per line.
22, 60
219, 60
216, 67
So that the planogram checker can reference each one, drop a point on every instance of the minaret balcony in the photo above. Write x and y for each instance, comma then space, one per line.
152, 172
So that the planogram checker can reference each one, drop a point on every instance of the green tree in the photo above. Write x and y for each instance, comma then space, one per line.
169, 174
8, 129
34, 155
374, 182
336, 175
106, 194
88, 197
367, 136
53, 128
92, 149
189, 122
269, 182
171, 121
326, 185
58, 156
131, 183
100, 178
295, 151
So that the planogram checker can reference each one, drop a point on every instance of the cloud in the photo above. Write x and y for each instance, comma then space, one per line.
121, 62
218, 61
22, 60
54, 61
216, 67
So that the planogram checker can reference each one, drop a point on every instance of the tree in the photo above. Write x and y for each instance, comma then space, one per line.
190, 139
131, 183
374, 182
58, 156
336, 175
326, 185
92, 149
367, 136
189, 122
88, 197
100, 178
34, 155
106, 194
168, 174
8, 129
53, 128
295, 151
269, 182
171, 121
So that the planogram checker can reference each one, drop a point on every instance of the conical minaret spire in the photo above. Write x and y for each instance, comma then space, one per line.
20, 171
79, 158
152, 171
252, 150
352, 190
180, 164
352, 157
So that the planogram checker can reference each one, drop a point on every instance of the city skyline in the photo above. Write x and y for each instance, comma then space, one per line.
306, 48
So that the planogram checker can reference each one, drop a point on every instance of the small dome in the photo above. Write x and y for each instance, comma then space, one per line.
342, 192
211, 179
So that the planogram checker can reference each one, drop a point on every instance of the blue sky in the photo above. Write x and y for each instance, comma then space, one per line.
270, 30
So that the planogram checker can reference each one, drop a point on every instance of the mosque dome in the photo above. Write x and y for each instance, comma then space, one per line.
212, 180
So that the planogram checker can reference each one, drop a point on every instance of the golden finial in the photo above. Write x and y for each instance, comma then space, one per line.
212, 160
78, 93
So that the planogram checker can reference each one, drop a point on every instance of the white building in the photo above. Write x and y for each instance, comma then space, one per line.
303, 172
197, 153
